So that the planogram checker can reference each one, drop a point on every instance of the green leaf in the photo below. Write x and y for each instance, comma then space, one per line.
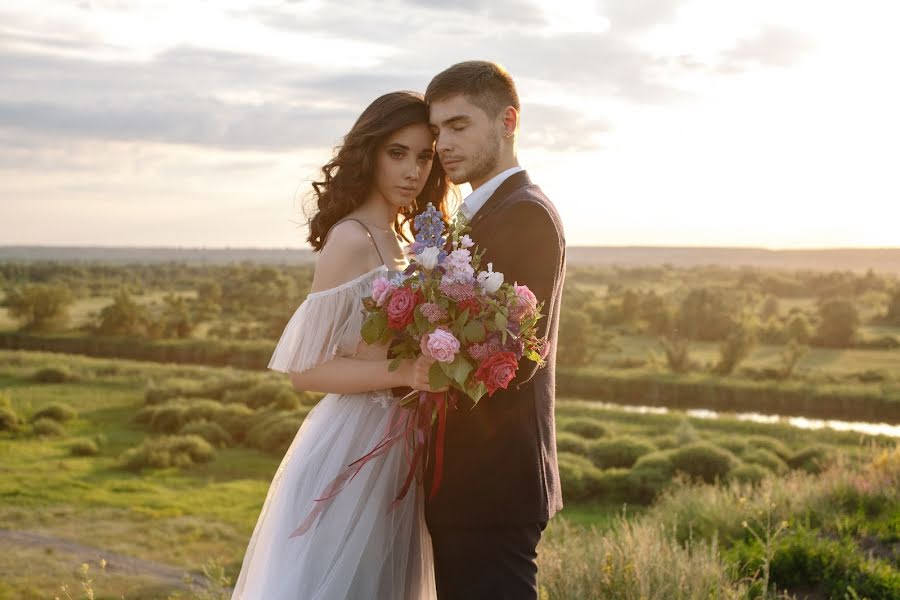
500, 320
461, 319
458, 370
475, 392
421, 320
474, 331
436, 376
374, 327
395, 364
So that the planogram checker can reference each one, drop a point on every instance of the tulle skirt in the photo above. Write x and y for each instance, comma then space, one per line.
357, 547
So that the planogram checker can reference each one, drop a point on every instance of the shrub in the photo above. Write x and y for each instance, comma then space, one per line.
649, 475
586, 427
736, 445
9, 420
620, 451
576, 474
56, 374
704, 460
210, 431
84, 447
273, 430
838, 324
49, 427
749, 473
571, 442
268, 393
775, 446
55, 411
168, 451
767, 459
811, 459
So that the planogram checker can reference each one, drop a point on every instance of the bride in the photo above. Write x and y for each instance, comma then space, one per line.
382, 176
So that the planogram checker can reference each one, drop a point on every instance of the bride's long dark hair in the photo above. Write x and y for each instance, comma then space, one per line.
347, 178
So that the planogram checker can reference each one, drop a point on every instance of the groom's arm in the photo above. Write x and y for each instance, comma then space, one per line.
524, 245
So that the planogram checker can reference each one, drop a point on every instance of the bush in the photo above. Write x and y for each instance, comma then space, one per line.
749, 473
767, 459
168, 451
268, 393
576, 474
175, 414
210, 431
273, 431
48, 427
619, 452
775, 446
9, 420
586, 427
649, 475
571, 442
84, 447
811, 459
55, 411
57, 374
703, 460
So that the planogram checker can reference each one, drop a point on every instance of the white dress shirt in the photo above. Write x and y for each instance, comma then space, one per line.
474, 201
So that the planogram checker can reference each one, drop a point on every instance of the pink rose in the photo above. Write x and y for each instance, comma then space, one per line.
382, 289
440, 345
401, 306
525, 303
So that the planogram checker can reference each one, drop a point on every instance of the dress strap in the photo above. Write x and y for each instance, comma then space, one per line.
371, 237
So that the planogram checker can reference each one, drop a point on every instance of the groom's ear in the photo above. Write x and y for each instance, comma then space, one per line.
510, 118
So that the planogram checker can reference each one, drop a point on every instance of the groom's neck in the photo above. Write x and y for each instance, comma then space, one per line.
503, 164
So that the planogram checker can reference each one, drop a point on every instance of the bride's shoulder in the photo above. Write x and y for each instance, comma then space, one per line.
345, 255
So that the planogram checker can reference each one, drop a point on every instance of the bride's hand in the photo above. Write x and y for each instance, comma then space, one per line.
419, 375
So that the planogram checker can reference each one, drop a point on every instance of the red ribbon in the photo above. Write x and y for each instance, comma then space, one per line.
417, 429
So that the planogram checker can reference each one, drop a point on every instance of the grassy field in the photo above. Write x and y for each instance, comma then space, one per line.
176, 520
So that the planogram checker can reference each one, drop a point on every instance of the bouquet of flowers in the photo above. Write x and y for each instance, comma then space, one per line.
474, 324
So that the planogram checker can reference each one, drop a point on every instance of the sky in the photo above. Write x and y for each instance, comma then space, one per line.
647, 123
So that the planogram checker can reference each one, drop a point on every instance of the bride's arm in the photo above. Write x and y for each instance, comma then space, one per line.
343, 257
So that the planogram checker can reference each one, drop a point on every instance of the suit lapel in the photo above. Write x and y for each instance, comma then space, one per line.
511, 183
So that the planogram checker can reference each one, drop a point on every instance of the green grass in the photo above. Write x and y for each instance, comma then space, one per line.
185, 517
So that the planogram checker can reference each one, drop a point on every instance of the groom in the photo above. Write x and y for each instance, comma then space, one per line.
501, 482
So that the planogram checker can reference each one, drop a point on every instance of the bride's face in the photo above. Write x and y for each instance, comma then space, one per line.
403, 164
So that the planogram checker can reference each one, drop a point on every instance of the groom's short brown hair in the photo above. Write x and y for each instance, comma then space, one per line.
485, 84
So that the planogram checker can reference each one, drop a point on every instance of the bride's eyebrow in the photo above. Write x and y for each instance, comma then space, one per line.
398, 146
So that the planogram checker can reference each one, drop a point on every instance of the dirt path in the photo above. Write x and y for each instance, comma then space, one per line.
115, 563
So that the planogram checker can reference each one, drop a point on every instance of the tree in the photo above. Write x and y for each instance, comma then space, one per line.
579, 342
839, 320
706, 315
736, 347
124, 317
892, 316
40, 306
769, 308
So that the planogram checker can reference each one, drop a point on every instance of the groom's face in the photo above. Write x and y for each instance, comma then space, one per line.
467, 140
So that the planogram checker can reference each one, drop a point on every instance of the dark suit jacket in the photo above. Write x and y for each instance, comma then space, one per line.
500, 461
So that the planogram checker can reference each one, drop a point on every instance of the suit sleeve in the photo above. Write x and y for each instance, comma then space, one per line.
526, 247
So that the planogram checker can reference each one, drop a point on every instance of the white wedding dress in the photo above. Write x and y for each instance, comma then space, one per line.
357, 548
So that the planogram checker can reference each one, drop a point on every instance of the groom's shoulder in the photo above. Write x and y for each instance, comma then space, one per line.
531, 202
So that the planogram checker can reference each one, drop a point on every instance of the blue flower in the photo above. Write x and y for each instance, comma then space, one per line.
430, 227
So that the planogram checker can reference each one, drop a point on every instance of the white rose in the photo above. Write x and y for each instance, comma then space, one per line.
490, 281
428, 258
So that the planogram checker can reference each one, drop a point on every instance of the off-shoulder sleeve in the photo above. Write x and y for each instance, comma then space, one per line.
326, 324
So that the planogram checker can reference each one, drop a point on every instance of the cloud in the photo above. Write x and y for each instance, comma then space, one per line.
559, 129
772, 46
629, 16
